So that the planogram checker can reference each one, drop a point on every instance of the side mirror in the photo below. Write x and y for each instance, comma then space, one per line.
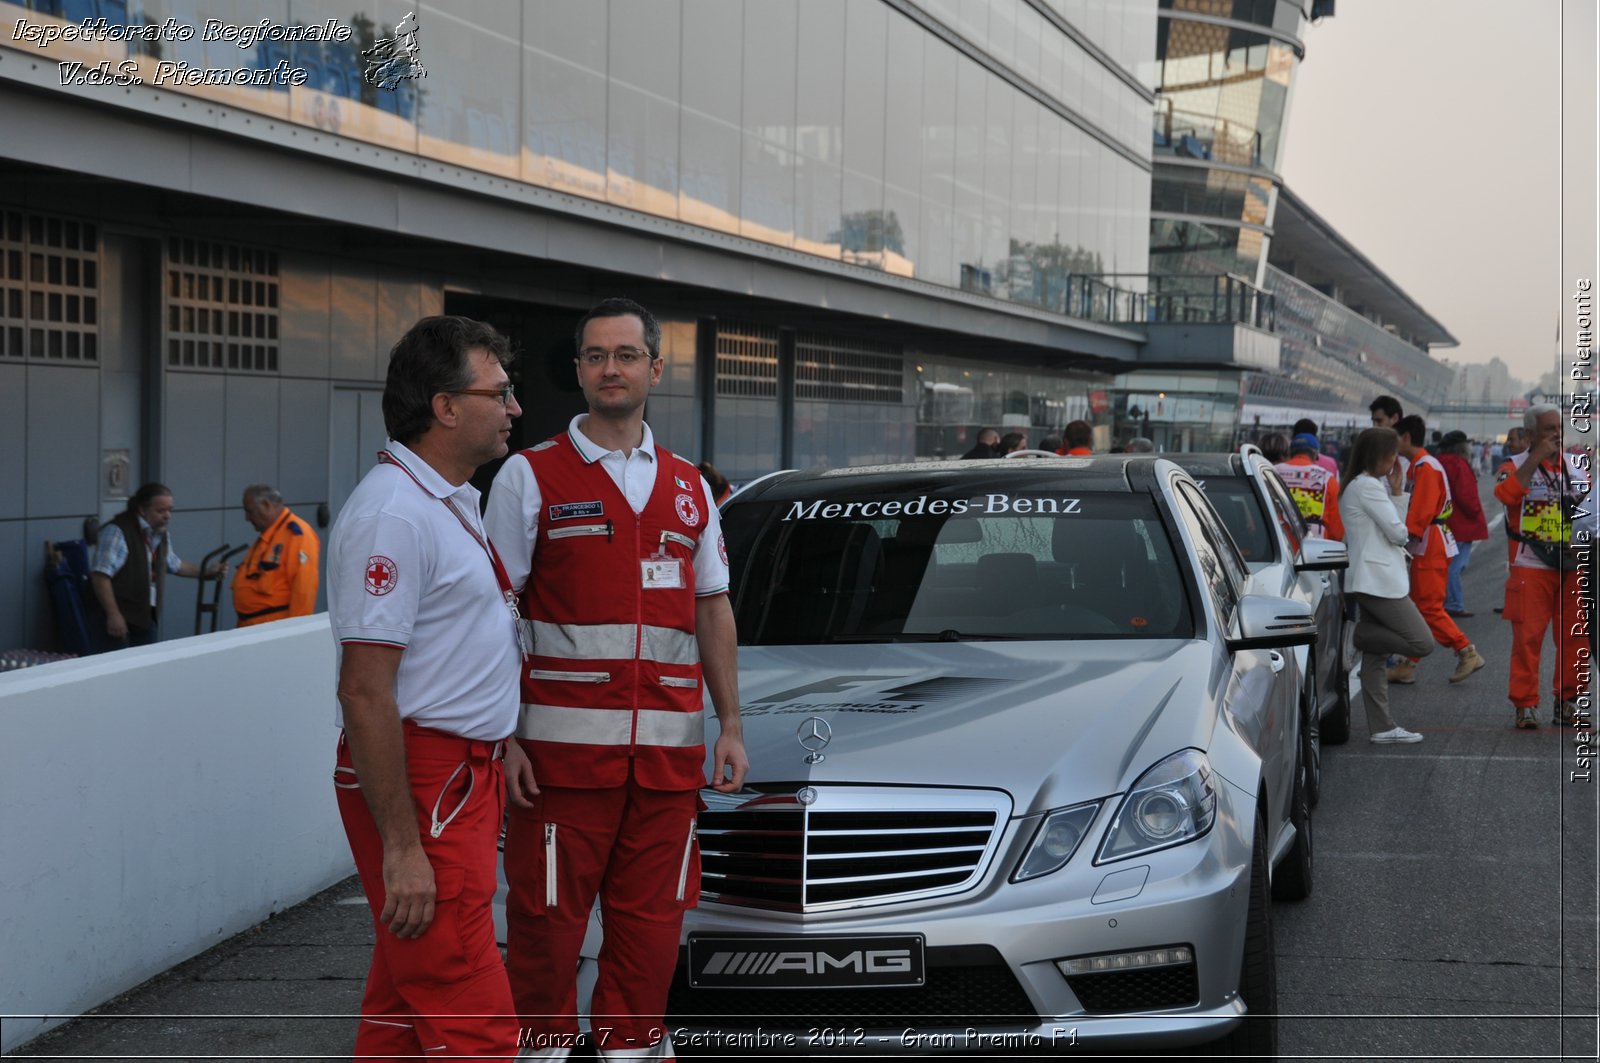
1322, 555
1268, 623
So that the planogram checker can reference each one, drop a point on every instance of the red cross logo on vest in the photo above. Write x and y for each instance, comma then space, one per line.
382, 574
688, 512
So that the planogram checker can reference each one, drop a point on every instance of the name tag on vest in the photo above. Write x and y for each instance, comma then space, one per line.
575, 510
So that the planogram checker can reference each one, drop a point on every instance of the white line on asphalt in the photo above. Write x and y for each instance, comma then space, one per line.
1465, 756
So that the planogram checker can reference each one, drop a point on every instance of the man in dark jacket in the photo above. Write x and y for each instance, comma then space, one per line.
131, 560
987, 446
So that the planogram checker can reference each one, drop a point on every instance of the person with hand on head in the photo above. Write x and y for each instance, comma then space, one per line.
617, 552
278, 578
130, 584
1542, 489
1386, 413
1376, 537
1431, 546
429, 652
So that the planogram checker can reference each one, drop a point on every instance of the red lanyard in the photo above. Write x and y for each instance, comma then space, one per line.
386, 458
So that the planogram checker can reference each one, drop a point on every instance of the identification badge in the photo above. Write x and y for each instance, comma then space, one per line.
661, 573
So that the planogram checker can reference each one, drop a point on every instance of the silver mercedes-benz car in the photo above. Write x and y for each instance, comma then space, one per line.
1283, 558
1026, 768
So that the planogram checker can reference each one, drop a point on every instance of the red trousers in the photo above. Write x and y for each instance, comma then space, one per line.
1427, 590
1536, 599
444, 993
636, 849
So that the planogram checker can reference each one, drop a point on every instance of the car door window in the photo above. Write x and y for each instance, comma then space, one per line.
1221, 571
1287, 513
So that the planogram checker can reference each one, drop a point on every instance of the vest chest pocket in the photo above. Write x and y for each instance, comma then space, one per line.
569, 677
579, 529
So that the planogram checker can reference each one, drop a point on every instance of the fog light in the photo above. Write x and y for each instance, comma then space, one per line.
1170, 956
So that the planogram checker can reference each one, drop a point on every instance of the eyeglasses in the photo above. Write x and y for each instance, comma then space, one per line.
596, 356
502, 393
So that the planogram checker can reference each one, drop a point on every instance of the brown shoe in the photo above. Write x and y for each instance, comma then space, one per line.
1526, 720
1468, 661
1404, 672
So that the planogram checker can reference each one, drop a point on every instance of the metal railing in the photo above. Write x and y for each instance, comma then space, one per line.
1181, 298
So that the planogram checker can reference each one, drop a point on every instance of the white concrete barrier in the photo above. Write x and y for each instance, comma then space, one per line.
155, 801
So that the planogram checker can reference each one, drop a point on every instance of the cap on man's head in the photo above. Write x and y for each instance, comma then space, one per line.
1305, 441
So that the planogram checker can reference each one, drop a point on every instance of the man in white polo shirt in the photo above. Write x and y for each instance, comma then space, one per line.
617, 550
429, 651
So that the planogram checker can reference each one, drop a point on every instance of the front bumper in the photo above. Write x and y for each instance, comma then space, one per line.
992, 982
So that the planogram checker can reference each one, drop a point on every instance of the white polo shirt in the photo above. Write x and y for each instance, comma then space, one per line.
404, 571
515, 503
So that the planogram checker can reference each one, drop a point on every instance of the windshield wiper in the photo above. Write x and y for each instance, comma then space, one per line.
949, 634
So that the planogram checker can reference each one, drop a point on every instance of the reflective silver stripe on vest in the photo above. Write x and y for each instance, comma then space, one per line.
613, 642
610, 727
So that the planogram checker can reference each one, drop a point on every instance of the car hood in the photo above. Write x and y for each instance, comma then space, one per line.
1051, 723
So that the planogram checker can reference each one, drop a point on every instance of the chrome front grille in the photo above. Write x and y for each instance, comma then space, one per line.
823, 848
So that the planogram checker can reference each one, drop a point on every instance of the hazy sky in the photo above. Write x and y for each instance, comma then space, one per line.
1429, 133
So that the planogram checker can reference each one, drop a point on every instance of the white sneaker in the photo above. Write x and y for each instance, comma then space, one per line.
1399, 734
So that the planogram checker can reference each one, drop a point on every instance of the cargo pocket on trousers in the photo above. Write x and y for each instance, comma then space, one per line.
439, 956
1516, 606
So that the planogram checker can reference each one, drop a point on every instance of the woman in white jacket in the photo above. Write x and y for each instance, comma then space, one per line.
1377, 578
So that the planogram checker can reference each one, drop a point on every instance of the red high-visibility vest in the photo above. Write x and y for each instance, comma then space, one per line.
615, 671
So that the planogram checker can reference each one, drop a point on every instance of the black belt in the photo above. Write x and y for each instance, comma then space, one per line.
265, 612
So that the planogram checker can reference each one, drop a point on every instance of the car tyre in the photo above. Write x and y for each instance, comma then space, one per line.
1336, 728
1256, 1036
1292, 878
1311, 739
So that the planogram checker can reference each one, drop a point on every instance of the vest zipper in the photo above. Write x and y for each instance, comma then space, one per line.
688, 849
570, 677
581, 529
549, 865
679, 681
638, 625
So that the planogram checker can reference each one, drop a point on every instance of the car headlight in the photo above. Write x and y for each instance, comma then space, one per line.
1056, 840
1172, 803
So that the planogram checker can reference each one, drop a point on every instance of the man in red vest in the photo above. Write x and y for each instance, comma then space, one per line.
617, 551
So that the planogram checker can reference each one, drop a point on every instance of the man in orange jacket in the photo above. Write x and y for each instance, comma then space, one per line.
1314, 488
1533, 486
279, 576
1425, 521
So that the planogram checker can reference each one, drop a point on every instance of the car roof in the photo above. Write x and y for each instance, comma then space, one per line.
1202, 466
1124, 473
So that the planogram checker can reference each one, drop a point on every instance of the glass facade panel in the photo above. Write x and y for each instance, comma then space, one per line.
564, 102
936, 262
863, 224
819, 127
768, 179
971, 116
463, 116
711, 143
642, 106
902, 150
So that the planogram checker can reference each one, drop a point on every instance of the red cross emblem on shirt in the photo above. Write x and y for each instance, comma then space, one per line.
382, 574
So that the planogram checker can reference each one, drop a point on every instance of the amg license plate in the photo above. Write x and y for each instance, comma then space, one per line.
803, 962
